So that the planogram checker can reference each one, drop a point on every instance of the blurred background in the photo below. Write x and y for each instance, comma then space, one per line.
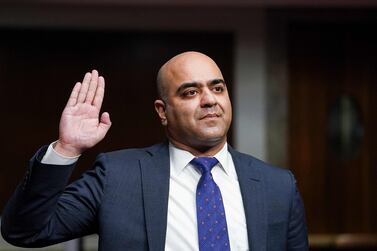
302, 76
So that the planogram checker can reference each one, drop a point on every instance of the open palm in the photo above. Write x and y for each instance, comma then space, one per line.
81, 127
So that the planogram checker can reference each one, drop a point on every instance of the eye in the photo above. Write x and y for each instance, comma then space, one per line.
218, 88
190, 93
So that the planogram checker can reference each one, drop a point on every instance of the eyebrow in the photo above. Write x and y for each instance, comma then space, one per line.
197, 84
216, 81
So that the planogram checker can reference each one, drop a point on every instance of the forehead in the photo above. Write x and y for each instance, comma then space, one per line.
191, 69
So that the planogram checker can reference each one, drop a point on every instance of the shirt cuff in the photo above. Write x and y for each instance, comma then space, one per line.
52, 157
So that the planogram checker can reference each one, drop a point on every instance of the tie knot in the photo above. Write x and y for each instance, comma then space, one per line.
205, 164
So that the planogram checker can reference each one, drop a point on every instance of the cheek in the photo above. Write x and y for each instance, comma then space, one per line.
227, 108
181, 114
186, 109
229, 112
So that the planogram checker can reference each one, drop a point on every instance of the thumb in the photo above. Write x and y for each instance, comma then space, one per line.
105, 119
105, 123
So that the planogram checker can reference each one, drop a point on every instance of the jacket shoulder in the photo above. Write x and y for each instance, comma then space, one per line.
131, 154
267, 171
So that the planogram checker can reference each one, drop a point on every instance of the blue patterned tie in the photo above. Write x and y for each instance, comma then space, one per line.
212, 228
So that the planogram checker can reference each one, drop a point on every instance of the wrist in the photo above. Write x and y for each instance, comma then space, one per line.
66, 150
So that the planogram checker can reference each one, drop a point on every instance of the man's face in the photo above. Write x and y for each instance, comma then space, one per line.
197, 108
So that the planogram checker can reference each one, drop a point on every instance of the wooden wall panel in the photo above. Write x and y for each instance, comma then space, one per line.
327, 60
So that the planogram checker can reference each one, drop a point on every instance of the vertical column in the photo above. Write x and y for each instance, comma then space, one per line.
250, 85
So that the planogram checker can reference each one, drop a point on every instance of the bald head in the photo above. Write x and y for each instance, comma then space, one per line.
180, 65
194, 104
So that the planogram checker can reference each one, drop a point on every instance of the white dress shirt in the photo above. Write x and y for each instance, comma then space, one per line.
182, 232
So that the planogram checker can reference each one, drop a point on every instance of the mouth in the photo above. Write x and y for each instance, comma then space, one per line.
210, 116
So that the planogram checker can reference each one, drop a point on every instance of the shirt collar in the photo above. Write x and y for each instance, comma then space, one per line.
180, 159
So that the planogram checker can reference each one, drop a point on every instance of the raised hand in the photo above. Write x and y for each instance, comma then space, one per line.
81, 126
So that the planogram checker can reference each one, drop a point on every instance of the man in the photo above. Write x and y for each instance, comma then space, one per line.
193, 192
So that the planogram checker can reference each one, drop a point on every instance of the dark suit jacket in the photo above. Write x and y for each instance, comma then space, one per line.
124, 199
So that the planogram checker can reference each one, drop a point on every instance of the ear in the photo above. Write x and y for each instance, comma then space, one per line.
160, 108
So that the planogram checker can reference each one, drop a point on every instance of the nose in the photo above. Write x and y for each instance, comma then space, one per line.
208, 98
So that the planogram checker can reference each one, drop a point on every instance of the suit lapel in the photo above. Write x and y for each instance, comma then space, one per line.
252, 190
155, 170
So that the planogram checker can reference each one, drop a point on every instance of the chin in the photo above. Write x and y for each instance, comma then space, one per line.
213, 139
212, 133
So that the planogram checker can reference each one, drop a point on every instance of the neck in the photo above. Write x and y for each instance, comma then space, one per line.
199, 151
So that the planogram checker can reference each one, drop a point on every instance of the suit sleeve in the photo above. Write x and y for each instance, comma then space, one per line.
297, 239
44, 211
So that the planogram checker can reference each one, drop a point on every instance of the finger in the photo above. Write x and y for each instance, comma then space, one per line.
74, 94
84, 88
92, 87
105, 119
104, 125
98, 98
